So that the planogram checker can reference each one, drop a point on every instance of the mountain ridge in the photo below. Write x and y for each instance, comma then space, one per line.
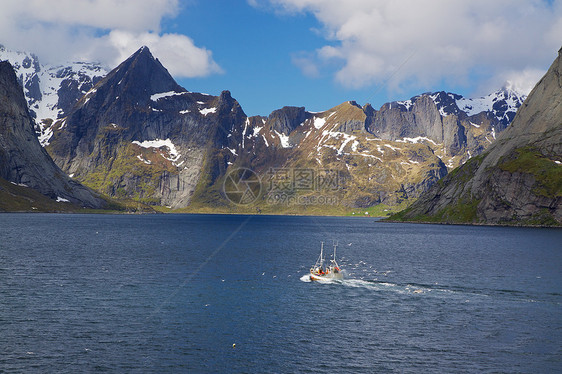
502, 103
138, 134
518, 180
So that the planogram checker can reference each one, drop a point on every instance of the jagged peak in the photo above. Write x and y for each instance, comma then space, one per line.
141, 56
286, 119
368, 109
509, 90
141, 76
143, 51
225, 95
450, 103
290, 111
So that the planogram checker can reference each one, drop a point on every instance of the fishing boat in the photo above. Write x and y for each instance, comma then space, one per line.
332, 272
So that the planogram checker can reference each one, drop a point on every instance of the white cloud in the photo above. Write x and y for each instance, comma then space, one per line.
412, 43
107, 31
521, 81
177, 52
133, 15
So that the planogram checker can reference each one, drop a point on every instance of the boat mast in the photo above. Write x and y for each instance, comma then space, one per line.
334, 259
321, 254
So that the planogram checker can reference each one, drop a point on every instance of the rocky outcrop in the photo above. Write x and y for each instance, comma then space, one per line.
518, 180
287, 119
22, 159
138, 134
438, 117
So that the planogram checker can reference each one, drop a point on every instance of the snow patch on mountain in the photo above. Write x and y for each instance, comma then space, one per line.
162, 95
393, 148
54, 81
417, 139
326, 135
45, 134
319, 122
406, 103
503, 104
49, 89
256, 131
284, 139
445, 103
143, 160
173, 153
207, 111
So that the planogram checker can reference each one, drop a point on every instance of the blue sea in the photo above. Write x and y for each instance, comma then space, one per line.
228, 294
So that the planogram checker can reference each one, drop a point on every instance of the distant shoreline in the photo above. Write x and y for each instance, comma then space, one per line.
472, 224
378, 219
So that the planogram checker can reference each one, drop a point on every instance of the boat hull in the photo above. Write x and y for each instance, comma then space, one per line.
326, 277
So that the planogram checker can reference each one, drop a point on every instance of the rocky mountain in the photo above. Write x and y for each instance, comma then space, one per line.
463, 127
335, 145
138, 134
518, 180
435, 119
51, 91
135, 133
23, 162
383, 156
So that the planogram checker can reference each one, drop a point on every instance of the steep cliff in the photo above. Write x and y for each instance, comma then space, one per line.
518, 180
23, 161
51, 90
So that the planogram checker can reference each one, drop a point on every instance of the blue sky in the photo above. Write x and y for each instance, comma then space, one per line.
254, 48
312, 53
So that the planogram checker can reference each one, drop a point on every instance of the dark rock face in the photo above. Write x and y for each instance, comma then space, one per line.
32, 86
22, 159
138, 134
434, 116
72, 88
286, 119
434, 173
518, 180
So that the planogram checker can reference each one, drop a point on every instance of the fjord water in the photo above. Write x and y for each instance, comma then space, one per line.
173, 293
